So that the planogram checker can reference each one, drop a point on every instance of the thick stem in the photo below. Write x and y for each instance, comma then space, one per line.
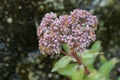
80, 63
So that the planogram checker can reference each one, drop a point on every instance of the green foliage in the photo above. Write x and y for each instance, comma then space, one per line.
102, 59
95, 76
77, 72
88, 57
63, 62
107, 67
67, 71
96, 47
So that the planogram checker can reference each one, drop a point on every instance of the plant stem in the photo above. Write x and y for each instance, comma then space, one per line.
80, 62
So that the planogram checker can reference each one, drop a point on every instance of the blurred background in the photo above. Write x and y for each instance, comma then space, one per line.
20, 58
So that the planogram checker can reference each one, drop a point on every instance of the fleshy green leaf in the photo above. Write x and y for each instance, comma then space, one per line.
96, 47
63, 62
78, 74
67, 71
88, 59
107, 67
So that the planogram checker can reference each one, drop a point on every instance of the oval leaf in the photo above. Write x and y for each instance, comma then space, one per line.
63, 62
96, 47
67, 71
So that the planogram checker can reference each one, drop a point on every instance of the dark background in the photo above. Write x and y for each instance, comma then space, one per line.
20, 58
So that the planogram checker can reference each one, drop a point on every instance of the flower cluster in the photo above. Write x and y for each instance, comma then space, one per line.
77, 30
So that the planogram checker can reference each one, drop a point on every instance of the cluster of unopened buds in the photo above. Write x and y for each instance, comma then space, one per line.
77, 30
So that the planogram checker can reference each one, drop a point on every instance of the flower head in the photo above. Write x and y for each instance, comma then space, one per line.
77, 30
